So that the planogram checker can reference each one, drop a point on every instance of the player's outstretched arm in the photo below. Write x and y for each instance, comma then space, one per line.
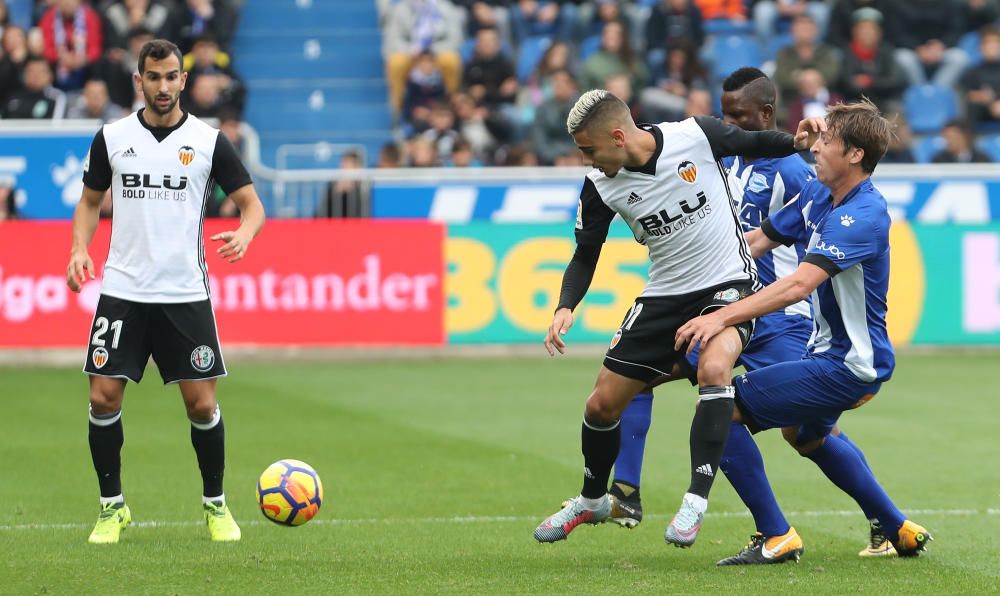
784, 292
759, 243
251, 221
85, 218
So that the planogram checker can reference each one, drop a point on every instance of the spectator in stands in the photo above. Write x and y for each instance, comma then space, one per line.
121, 17
804, 52
389, 156
548, 132
981, 83
422, 153
977, 14
117, 67
869, 68
199, 17
730, 10
442, 131
699, 103
620, 85
4, 16
424, 87
538, 87
207, 58
665, 101
614, 57
925, 33
771, 17
671, 23
840, 27
489, 76
462, 155
812, 98
476, 125
530, 18
38, 99
231, 127
8, 207
13, 55
93, 103
73, 38
958, 146
899, 143
205, 98
521, 155
416, 26
494, 14
344, 197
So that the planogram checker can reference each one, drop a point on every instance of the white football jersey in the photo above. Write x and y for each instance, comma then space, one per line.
680, 206
161, 180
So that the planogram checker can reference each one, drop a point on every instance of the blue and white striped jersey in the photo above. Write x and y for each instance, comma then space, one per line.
760, 188
851, 243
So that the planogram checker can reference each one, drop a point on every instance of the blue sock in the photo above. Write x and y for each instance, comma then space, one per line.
635, 424
861, 454
849, 471
744, 467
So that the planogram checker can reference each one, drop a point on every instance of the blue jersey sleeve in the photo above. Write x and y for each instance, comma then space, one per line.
787, 225
847, 237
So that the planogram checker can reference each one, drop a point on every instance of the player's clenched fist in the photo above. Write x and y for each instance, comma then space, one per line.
79, 267
561, 323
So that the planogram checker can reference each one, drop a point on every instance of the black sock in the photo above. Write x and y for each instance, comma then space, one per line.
600, 449
209, 441
709, 431
106, 439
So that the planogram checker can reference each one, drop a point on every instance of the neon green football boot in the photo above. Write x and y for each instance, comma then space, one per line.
113, 519
221, 525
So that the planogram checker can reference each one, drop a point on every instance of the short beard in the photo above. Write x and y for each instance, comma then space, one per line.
151, 104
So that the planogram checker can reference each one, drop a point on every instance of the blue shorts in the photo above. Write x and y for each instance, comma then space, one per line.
810, 393
777, 338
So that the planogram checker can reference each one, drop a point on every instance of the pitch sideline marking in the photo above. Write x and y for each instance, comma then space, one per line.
476, 519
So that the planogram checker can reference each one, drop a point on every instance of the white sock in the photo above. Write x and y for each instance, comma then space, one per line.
593, 503
221, 497
700, 504
115, 499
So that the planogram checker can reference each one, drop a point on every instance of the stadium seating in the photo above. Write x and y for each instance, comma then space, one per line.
315, 73
929, 107
730, 52
990, 144
531, 52
926, 148
970, 43
589, 46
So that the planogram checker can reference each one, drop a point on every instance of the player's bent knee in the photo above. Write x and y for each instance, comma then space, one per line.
791, 436
714, 371
106, 395
602, 410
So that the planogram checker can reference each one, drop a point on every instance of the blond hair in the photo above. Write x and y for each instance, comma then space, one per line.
596, 105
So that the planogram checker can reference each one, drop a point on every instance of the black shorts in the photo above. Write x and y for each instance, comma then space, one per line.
643, 347
181, 337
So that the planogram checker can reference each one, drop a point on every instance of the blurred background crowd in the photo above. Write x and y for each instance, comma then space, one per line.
490, 82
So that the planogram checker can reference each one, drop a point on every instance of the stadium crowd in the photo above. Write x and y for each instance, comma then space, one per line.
491, 81
75, 58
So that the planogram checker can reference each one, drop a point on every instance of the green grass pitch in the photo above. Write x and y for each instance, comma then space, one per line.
437, 471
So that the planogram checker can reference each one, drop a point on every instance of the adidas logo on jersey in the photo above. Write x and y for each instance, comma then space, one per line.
705, 469
130, 152
633, 199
